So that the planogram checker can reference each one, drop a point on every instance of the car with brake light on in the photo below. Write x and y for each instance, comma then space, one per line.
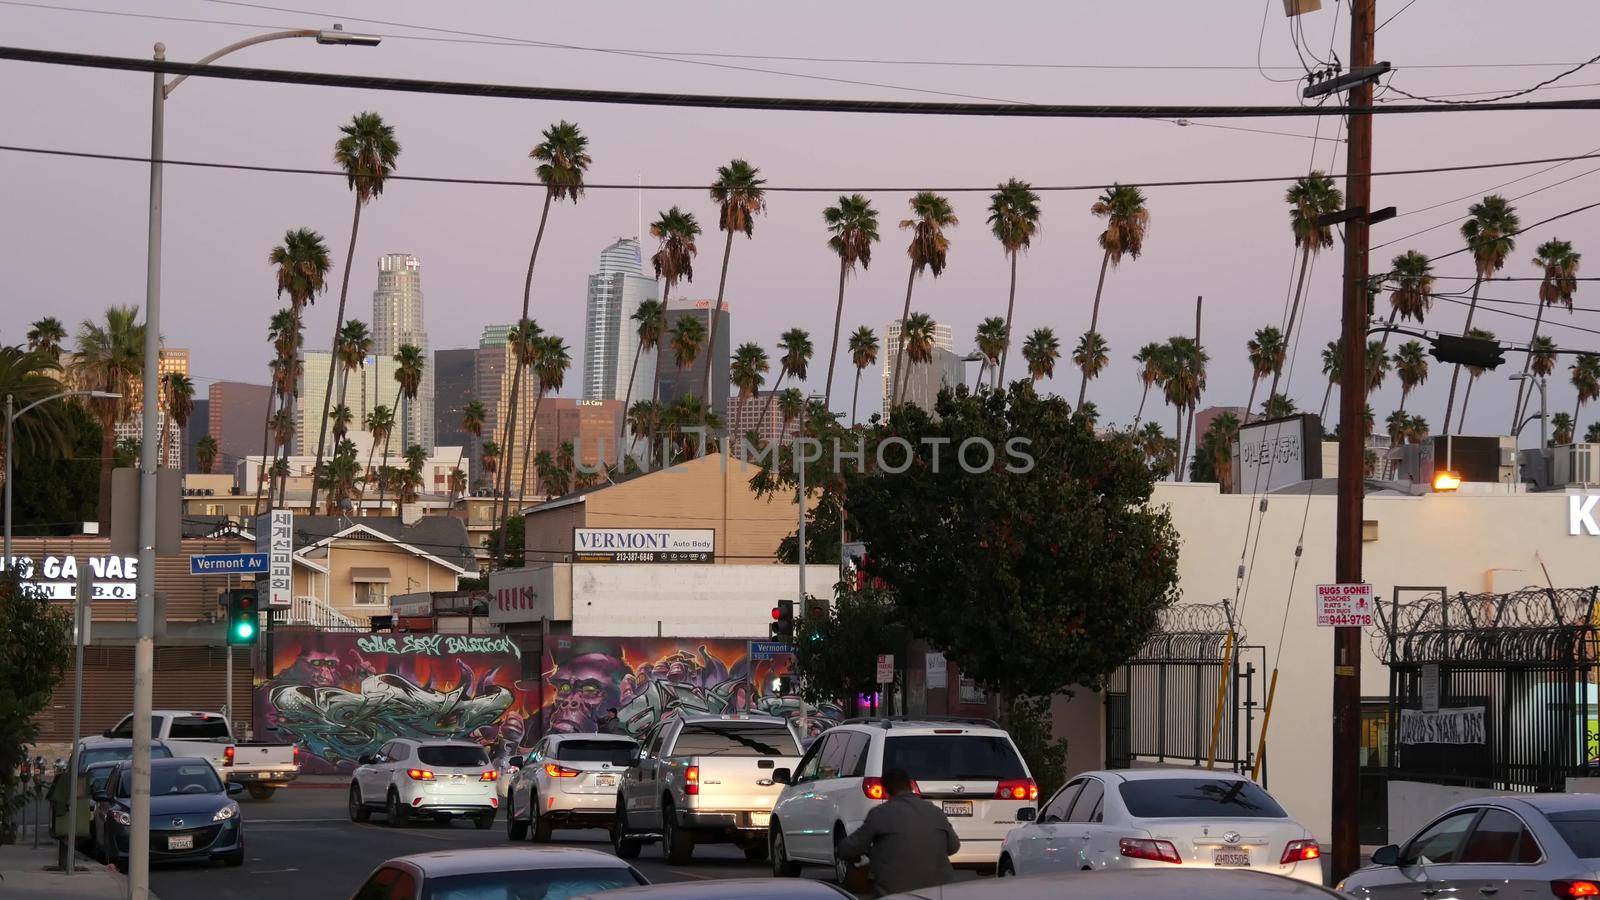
1144, 818
567, 781
425, 779
1524, 845
969, 767
499, 873
193, 817
261, 766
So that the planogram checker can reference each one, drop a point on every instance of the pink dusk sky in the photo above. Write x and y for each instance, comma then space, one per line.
74, 230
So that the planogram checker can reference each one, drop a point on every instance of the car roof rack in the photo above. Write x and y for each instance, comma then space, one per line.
889, 721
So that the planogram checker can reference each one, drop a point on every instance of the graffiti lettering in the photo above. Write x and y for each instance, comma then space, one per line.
437, 644
376, 644
457, 644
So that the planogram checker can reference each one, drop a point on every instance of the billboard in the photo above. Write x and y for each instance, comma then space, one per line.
643, 545
1275, 453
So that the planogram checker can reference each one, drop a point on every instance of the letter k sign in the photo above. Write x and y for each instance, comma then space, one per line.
1580, 514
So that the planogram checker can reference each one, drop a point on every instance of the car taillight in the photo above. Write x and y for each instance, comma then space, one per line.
555, 771
1300, 851
1144, 848
227, 756
874, 789
1017, 789
419, 774
490, 775
1575, 889
691, 780
295, 748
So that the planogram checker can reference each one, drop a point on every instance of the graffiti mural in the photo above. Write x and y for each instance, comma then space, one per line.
649, 679
340, 695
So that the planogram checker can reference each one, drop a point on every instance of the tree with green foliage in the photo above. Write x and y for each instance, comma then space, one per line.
837, 653
34, 645
57, 486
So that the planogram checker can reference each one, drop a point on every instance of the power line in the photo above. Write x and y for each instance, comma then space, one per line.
1506, 96
1515, 315
1459, 218
1391, 18
1480, 192
725, 101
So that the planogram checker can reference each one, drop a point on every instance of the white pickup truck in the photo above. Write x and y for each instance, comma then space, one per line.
261, 766
704, 779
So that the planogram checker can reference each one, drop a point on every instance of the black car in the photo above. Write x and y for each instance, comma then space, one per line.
192, 818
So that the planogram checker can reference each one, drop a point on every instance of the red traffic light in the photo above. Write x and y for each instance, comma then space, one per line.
776, 614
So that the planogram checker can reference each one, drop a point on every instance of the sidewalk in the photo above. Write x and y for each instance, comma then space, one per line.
24, 876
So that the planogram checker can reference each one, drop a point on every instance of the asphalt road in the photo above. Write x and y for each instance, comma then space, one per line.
301, 845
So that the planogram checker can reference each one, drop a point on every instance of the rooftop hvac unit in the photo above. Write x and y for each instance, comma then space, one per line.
1576, 465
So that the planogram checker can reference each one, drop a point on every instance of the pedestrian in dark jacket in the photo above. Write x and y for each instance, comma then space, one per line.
909, 840
611, 724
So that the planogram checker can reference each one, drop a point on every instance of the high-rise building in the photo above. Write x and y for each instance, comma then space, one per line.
454, 384
174, 361
238, 412
610, 336
758, 414
199, 427
924, 381
943, 339
489, 370
397, 320
677, 381
370, 385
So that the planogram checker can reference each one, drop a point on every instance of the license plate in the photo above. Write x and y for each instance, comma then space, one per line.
760, 820
957, 807
1231, 858
606, 780
180, 842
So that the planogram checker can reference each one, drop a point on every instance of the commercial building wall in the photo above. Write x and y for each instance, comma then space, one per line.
643, 600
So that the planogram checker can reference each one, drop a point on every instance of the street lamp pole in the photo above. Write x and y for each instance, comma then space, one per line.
144, 640
12, 415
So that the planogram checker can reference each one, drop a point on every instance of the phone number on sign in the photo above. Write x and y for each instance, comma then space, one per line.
1345, 619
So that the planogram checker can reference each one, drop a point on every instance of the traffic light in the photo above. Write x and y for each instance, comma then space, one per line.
782, 628
242, 620
1475, 352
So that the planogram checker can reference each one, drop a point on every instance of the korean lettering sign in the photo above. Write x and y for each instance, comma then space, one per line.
275, 537
1279, 452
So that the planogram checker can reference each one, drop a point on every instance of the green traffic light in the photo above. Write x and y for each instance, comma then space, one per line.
244, 629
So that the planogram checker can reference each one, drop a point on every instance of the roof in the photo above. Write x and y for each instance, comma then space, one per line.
444, 538
572, 497
441, 863
1148, 774
1127, 884
594, 736
1550, 803
709, 718
741, 888
1327, 487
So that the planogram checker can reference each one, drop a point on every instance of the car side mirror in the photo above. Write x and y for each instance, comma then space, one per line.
98, 794
235, 787
636, 757
515, 762
782, 776
1386, 856
367, 759
1027, 814
106, 733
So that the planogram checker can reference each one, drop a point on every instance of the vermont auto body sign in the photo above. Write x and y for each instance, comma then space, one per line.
643, 545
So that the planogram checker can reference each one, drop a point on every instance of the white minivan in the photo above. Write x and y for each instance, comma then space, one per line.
969, 767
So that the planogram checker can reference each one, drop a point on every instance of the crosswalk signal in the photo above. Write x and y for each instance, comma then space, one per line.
782, 627
243, 622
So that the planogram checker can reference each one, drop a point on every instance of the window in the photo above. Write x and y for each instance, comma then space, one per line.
953, 757
1205, 798
372, 594
399, 752
181, 778
653, 739
1056, 810
1580, 828
807, 769
1439, 842
452, 755
386, 883
124, 728
616, 753
1087, 807
831, 762
117, 754
855, 756
1500, 837
199, 728
735, 739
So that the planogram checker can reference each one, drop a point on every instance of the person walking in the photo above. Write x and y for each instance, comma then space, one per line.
611, 724
908, 839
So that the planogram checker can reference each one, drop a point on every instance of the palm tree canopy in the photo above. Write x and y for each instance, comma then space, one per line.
110, 357
283, 330
1559, 263
1184, 376
473, 416
30, 376
355, 344
379, 422
1014, 214
651, 317
1490, 233
674, 259
46, 335
1377, 365
1411, 364
739, 195
795, 348
1040, 351
409, 364
1543, 356
1586, 377
302, 265
522, 338
563, 159
1091, 353
991, 339
790, 403
688, 336
552, 361
1412, 277
1333, 360
853, 229
748, 369
178, 394
1277, 406
1310, 198
1127, 221
931, 214
1561, 425
1266, 351
1150, 363
918, 338
863, 347
366, 150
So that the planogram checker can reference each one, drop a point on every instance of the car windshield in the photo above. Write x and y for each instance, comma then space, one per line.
953, 757
736, 739
93, 755
453, 757
615, 752
1580, 828
1198, 798
180, 778
529, 884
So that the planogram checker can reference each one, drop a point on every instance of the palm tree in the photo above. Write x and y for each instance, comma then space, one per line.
177, 395
110, 358
1040, 351
302, 265
563, 158
917, 341
1559, 266
205, 453
473, 417
1127, 224
748, 372
284, 333
1183, 381
740, 198
379, 424
931, 214
366, 150
651, 317
551, 361
1014, 220
409, 363
1562, 427
1333, 370
45, 336
1150, 369
342, 419
350, 354
863, 353
339, 475
1490, 233
1396, 424
1592, 434
1543, 354
1218, 441
490, 453
852, 229
522, 340
1277, 407
282, 427
1411, 273
458, 484
1091, 355
794, 356
1309, 198
673, 261
1411, 364
1266, 351
1586, 380
791, 402
1474, 372
991, 340
29, 377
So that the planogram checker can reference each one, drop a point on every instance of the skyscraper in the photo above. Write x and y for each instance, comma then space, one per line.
397, 320
676, 381
943, 339
610, 336
237, 412
489, 370
454, 381
371, 385
173, 361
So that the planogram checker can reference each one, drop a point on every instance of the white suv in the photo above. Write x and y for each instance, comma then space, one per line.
970, 768
426, 779
568, 780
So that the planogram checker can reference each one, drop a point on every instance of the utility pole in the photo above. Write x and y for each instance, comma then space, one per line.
1352, 452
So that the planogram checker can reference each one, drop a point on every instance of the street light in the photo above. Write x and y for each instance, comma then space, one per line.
144, 643
12, 414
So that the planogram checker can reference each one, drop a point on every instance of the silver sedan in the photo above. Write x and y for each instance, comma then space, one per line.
1508, 848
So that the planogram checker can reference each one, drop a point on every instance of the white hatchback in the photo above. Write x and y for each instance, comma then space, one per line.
567, 780
426, 779
1142, 818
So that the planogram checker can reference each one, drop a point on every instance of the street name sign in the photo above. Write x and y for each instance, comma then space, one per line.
760, 650
228, 564
1344, 606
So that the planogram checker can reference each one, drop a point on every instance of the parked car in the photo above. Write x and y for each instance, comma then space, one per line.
567, 780
703, 779
971, 768
436, 779
261, 766
727, 889
498, 872
1528, 845
193, 817
93, 757
1144, 818
1131, 884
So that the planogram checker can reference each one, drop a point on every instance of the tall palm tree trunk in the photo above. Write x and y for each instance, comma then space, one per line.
1143, 395
833, 352
266, 429
1177, 440
1466, 398
1250, 404
1188, 433
1404, 393
716, 318
338, 323
1294, 312
527, 441
1011, 303
772, 400
626, 398
1094, 317
1327, 392
1455, 375
856, 395
503, 504
900, 352
1527, 360
652, 432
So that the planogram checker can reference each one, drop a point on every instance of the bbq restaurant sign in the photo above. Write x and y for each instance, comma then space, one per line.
1275, 453
643, 545
56, 577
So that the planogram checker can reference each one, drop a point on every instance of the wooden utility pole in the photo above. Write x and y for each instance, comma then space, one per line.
1346, 767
